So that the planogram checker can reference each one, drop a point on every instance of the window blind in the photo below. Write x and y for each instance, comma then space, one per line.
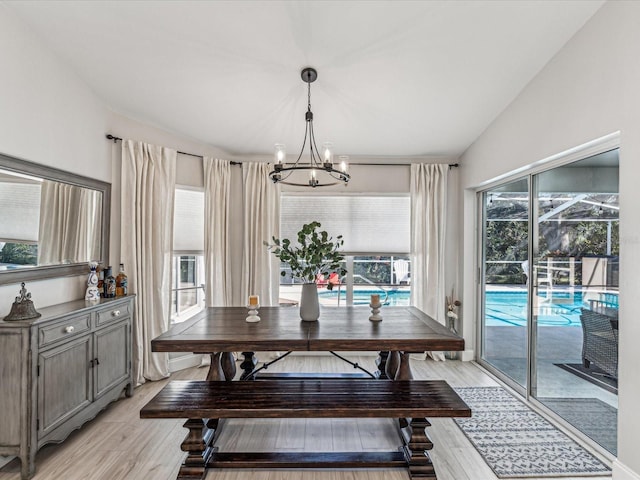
20, 223
188, 221
368, 224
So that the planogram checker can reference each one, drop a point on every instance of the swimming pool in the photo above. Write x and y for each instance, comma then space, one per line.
503, 308
394, 297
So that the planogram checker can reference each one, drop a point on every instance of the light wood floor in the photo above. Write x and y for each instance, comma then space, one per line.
117, 445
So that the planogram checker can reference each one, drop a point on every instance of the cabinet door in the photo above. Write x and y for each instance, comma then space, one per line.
64, 383
111, 356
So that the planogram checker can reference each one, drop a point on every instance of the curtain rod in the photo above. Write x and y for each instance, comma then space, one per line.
451, 165
115, 139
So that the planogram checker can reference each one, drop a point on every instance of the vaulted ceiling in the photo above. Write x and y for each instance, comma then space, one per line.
402, 78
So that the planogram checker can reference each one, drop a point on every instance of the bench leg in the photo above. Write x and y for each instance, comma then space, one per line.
416, 450
199, 447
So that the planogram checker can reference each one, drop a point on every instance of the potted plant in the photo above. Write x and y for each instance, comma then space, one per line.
315, 254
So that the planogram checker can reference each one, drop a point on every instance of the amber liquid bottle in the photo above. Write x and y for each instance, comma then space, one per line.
100, 272
122, 282
109, 283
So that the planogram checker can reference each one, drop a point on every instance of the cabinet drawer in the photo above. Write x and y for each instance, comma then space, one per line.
69, 328
116, 312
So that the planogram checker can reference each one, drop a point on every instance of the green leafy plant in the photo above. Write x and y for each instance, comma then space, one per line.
316, 253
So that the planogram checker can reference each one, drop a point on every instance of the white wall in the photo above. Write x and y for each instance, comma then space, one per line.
590, 89
48, 116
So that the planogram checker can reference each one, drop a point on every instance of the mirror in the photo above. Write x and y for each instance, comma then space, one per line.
52, 223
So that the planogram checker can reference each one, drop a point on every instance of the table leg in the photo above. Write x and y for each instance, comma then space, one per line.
215, 369
404, 369
199, 440
381, 363
228, 365
248, 365
403, 372
393, 362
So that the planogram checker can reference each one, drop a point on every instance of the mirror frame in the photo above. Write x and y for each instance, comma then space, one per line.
63, 270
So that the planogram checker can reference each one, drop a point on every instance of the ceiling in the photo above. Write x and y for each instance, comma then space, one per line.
395, 79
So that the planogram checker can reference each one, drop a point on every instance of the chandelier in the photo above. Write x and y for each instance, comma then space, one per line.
320, 171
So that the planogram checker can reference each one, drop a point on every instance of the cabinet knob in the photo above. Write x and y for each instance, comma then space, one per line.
69, 329
115, 313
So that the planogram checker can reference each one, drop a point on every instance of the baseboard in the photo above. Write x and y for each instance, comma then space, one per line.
467, 355
622, 472
184, 361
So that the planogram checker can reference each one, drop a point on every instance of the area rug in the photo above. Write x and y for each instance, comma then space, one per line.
591, 416
593, 375
517, 442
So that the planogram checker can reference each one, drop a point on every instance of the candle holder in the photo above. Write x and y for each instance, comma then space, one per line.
375, 312
252, 316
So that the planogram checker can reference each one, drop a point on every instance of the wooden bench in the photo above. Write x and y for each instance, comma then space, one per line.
205, 403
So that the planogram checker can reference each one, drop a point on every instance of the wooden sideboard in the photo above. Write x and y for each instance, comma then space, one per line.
59, 371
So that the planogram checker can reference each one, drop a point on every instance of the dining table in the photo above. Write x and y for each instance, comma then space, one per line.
223, 332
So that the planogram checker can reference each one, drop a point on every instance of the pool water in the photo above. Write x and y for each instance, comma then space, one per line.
504, 308
394, 298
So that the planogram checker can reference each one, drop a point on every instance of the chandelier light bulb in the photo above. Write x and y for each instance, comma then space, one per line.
327, 152
344, 163
280, 153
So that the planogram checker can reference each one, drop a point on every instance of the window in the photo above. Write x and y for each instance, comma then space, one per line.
376, 233
187, 290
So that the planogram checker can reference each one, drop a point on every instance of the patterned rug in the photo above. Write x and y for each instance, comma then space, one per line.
517, 442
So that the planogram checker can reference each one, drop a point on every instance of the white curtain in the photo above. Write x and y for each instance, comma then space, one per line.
217, 261
148, 186
260, 268
70, 224
428, 220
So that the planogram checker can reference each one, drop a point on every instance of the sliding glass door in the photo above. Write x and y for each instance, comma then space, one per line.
505, 295
549, 290
575, 293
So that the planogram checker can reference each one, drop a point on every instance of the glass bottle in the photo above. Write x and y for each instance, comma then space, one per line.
109, 283
100, 272
121, 282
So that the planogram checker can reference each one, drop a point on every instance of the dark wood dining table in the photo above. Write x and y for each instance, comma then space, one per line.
220, 331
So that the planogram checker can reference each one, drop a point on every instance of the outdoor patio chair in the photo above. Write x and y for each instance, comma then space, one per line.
600, 342
401, 270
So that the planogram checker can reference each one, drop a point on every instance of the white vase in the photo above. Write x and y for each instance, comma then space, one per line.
309, 306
